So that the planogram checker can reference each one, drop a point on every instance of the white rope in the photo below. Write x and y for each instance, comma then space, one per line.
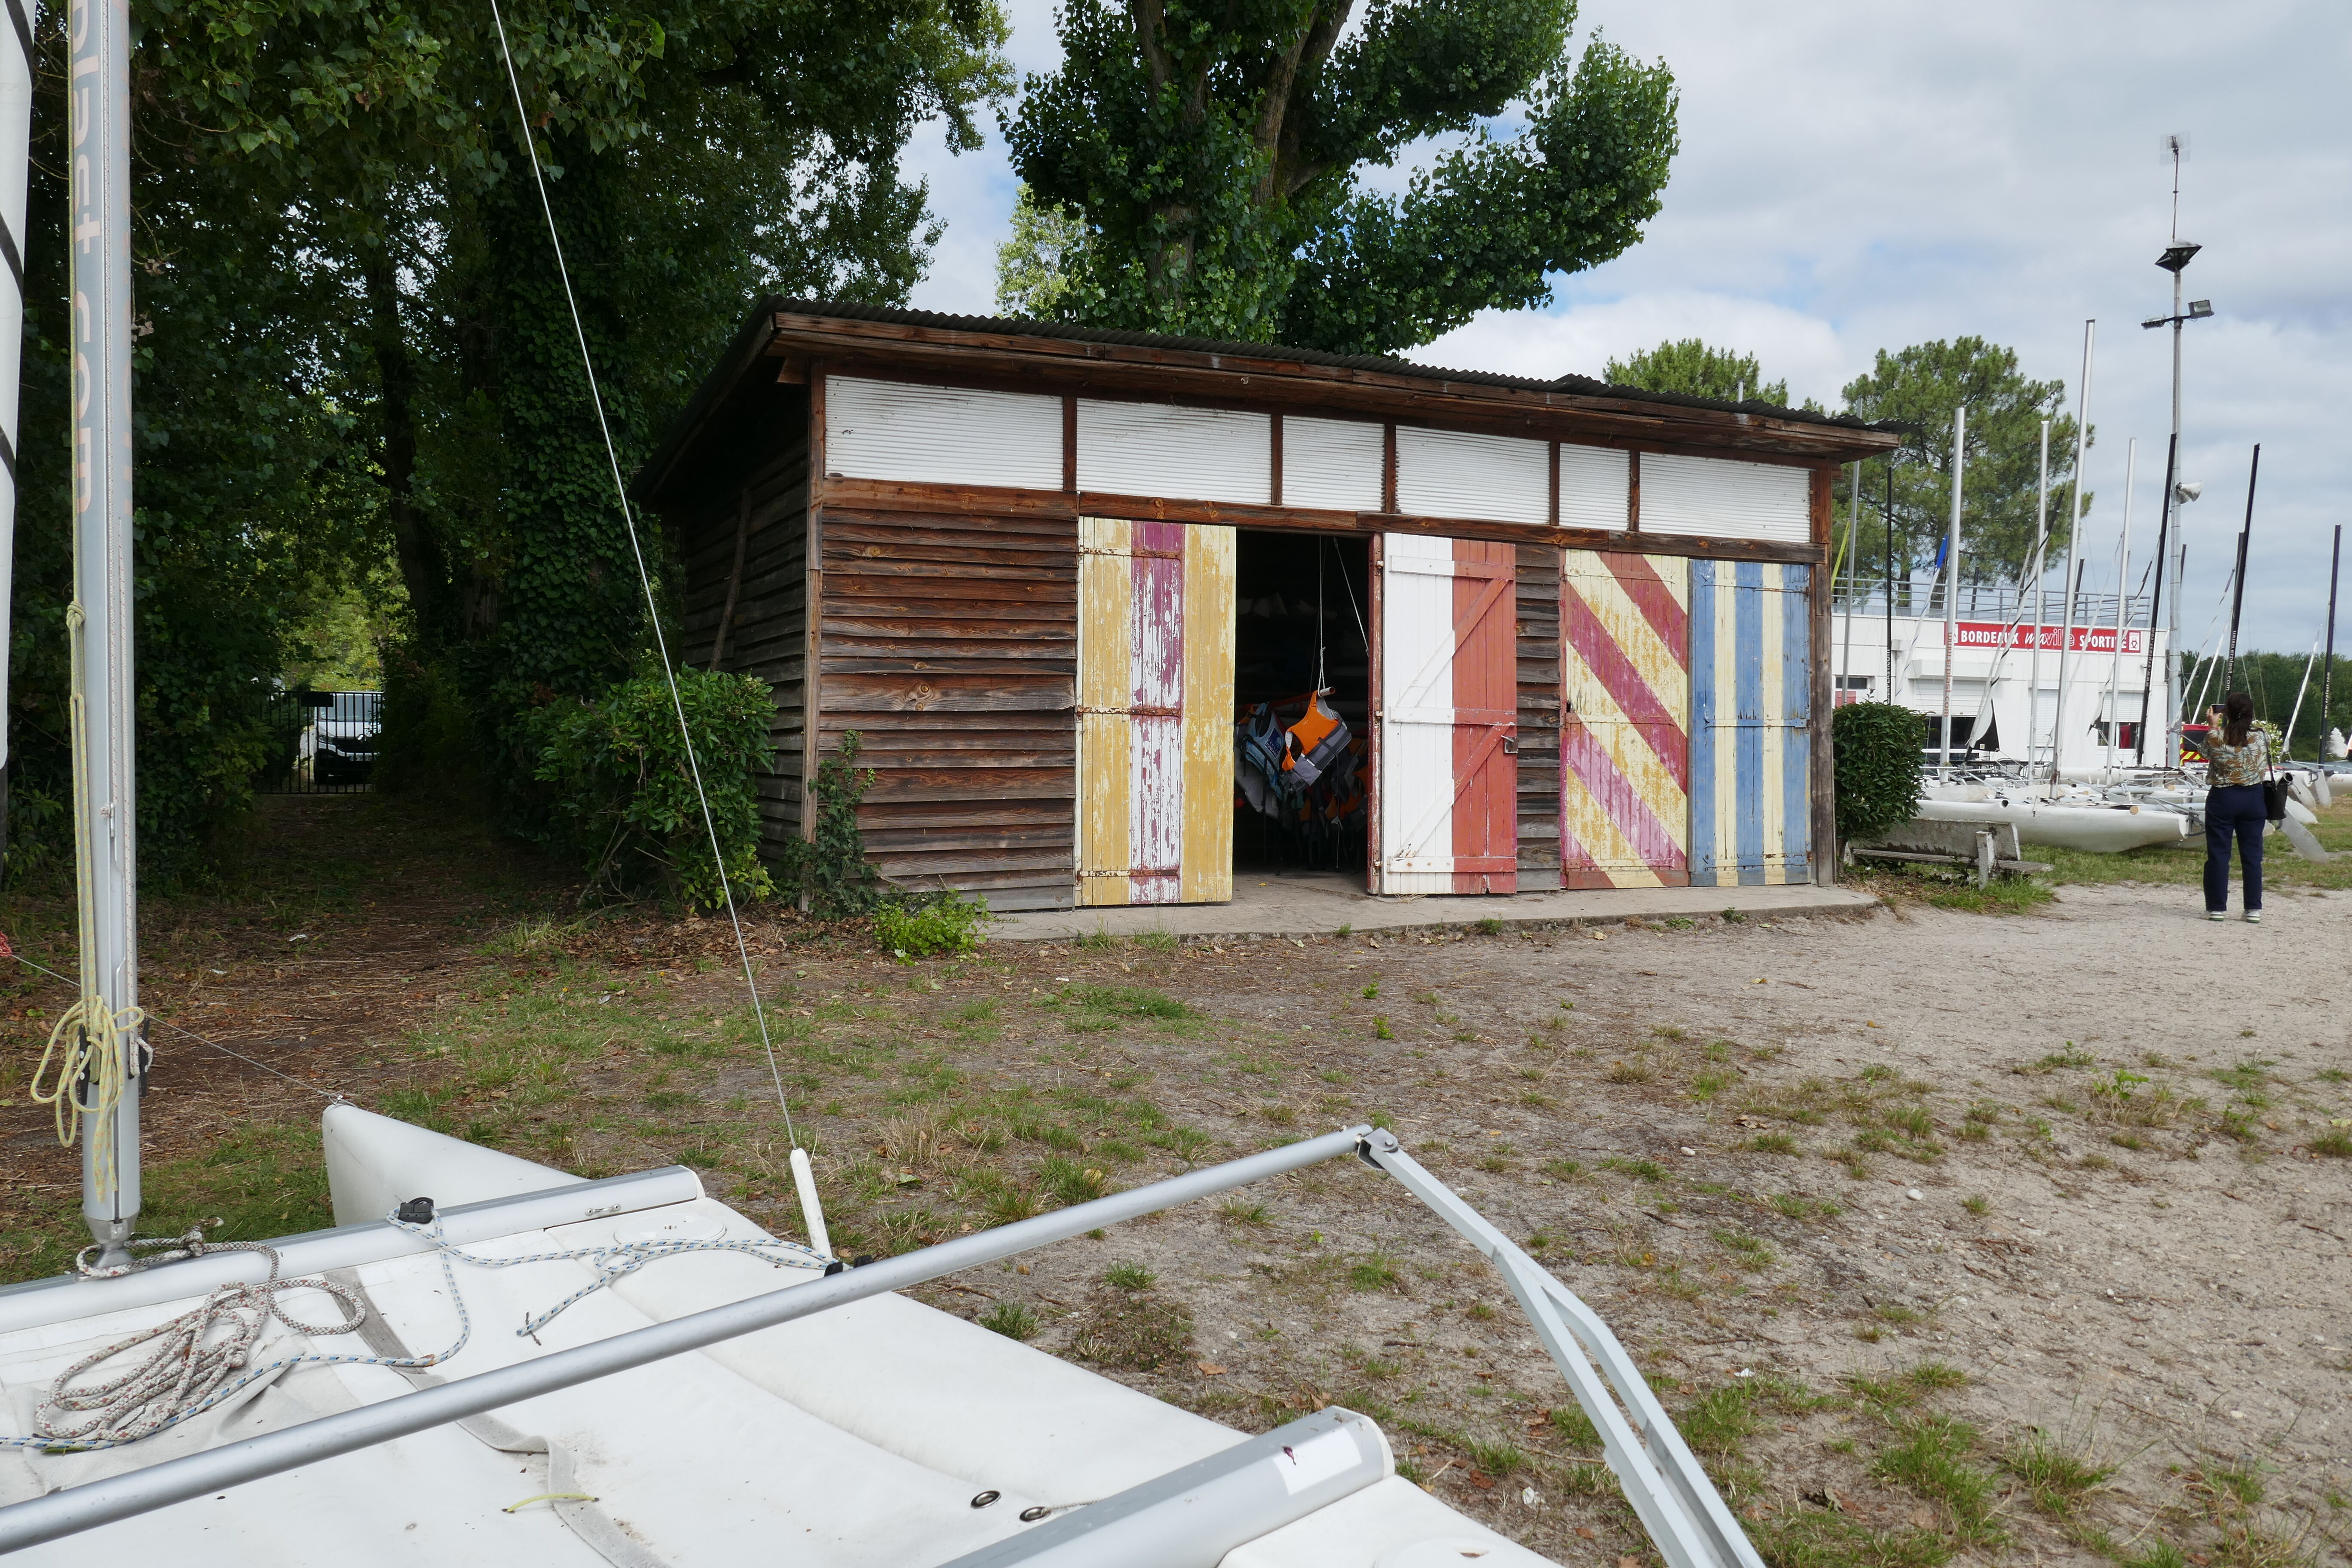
612, 1262
198, 1356
645, 578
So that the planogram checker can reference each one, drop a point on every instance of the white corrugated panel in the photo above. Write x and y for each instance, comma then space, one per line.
1332, 463
1593, 487
1723, 499
1446, 473
1187, 454
941, 435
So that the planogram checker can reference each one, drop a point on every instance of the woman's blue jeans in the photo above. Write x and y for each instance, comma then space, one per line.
2236, 810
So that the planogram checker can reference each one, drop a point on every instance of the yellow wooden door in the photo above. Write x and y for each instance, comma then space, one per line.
1155, 712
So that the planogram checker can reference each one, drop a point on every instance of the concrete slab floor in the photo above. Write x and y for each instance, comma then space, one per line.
1321, 903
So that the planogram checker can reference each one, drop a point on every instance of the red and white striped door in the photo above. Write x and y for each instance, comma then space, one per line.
1445, 700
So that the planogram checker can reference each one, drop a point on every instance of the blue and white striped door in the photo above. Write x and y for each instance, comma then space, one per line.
1751, 712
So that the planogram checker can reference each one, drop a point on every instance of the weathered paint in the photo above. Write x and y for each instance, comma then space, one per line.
1624, 731
1448, 803
1208, 831
1751, 746
1155, 696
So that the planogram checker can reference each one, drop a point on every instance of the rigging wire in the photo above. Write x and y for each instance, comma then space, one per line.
645, 578
180, 1029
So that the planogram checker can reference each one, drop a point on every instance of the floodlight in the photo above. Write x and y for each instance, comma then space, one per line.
2176, 256
2187, 490
2199, 309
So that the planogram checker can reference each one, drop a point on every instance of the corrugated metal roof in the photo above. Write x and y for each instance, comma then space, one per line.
1384, 364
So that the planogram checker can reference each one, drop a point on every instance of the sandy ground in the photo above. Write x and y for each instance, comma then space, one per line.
2157, 1280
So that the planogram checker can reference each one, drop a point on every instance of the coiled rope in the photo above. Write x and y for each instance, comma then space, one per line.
201, 1357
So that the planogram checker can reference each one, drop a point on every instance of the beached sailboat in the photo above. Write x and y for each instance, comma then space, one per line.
488, 1361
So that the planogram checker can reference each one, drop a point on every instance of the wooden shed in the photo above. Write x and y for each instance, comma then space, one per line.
1077, 592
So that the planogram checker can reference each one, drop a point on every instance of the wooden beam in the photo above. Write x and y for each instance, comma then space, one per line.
1068, 366
812, 614
1824, 750
898, 497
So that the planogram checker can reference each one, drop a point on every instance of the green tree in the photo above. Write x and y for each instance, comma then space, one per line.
1694, 369
1920, 386
1214, 154
361, 374
1039, 264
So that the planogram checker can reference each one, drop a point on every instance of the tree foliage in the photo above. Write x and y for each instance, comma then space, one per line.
1216, 155
1695, 369
1920, 386
360, 369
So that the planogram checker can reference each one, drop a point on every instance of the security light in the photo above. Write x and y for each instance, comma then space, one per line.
2176, 256
2187, 490
2199, 309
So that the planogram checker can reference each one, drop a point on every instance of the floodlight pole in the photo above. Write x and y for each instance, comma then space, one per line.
2175, 260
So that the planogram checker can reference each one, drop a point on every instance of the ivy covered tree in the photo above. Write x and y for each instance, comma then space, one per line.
1920, 386
1697, 369
1216, 154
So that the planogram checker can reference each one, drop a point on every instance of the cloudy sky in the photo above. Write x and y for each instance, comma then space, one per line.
1857, 176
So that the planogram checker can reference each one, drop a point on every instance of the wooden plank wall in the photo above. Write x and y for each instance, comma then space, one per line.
950, 646
766, 637
1539, 690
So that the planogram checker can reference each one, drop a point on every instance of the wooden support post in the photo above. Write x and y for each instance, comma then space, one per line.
1817, 598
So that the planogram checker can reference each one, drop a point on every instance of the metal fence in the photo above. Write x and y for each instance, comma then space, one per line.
327, 743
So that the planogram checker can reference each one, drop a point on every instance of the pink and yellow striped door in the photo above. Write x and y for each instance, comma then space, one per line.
1445, 697
1155, 712
1624, 739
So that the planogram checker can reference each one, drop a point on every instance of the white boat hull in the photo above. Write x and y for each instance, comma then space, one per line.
859, 1437
2101, 830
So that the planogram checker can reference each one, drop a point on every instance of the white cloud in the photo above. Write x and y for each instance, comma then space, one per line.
1856, 175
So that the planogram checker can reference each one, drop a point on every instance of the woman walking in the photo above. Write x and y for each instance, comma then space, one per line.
2237, 755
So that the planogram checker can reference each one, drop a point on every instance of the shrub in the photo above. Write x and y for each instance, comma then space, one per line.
830, 867
927, 927
622, 797
1879, 763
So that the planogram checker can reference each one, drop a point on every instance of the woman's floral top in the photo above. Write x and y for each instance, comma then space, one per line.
2227, 764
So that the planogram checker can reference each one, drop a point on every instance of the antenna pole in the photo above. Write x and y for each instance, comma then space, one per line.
2163, 548
2122, 587
2327, 671
2238, 589
2074, 552
2041, 570
1952, 580
104, 696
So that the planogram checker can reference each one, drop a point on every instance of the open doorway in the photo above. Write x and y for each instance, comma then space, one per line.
1302, 608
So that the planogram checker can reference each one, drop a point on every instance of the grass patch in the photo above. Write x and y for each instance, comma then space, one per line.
1374, 1272
1932, 1459
2057, 1477
1010, 1319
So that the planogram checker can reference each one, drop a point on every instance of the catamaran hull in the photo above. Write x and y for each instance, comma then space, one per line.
2101, 830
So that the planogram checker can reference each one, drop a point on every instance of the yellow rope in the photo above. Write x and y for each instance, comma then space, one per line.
97, 1044
97, 1041
549, 1496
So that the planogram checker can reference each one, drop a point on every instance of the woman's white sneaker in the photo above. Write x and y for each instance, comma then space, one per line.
2254, 917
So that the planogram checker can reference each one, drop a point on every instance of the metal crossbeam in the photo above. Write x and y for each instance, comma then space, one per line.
1678, 1505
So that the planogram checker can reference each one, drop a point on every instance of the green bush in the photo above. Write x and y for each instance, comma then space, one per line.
929, 927
622, 799
1879, 763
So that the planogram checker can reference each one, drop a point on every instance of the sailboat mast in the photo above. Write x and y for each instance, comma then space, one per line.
105, 793
1952, 583
15, 143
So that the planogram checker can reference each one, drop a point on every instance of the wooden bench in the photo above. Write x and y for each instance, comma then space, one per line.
1986, 849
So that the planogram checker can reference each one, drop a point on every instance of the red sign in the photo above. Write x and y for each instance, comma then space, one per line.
2087, 639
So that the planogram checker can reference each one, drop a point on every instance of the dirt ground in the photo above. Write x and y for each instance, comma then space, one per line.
1946, 1235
